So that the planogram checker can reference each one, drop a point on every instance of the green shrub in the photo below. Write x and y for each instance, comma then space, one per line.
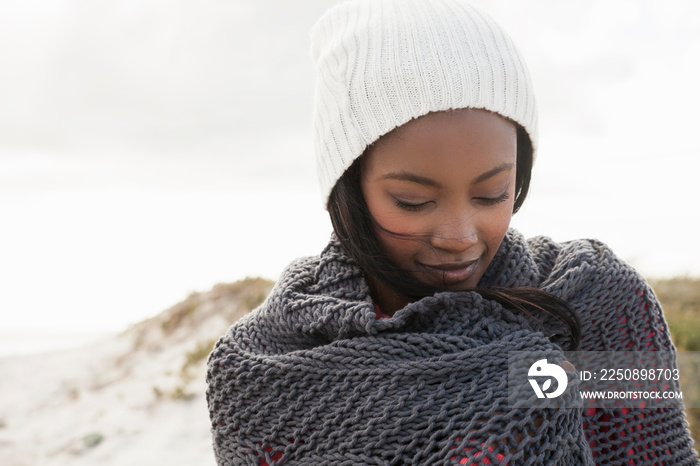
680, 299
198, 353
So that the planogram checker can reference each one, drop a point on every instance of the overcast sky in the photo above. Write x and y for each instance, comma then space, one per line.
150, 148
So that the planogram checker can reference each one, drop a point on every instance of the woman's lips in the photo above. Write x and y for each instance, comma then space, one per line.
450, 274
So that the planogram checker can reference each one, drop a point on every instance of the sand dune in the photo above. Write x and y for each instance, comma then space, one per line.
134, 398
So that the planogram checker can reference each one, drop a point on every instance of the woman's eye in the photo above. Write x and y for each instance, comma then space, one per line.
409, 206
494, 200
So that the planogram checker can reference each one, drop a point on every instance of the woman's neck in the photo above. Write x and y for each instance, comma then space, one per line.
388, 300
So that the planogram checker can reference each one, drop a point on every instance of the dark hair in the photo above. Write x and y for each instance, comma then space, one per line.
354, 227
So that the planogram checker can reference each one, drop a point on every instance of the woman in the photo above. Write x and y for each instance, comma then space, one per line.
391, 346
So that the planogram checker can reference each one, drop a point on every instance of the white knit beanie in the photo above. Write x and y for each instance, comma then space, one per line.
382, 63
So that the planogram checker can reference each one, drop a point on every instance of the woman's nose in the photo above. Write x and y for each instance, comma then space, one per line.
454, 235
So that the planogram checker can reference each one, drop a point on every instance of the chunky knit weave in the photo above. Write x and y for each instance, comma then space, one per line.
312, 377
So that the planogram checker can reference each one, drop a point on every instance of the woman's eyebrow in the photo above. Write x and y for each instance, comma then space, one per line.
493, 172
406, 176
412, 177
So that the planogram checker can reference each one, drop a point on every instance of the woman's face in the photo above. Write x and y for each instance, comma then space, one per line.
444, 183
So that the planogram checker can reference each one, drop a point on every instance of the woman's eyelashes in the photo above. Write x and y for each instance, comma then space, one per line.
494, 200
487, 201
410, 206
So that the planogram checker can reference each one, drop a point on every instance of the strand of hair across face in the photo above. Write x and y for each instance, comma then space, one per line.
355, 229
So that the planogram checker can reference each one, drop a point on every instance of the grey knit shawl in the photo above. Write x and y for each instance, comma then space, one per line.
312, 377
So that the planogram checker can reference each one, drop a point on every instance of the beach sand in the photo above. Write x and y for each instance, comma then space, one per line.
130, 399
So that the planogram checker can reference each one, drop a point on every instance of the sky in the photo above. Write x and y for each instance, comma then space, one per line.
152, 149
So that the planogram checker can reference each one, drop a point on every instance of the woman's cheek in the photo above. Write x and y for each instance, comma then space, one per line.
411, 224
403, 249
496, 225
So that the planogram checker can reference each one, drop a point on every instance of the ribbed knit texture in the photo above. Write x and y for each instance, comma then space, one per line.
382, 63
312, 377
